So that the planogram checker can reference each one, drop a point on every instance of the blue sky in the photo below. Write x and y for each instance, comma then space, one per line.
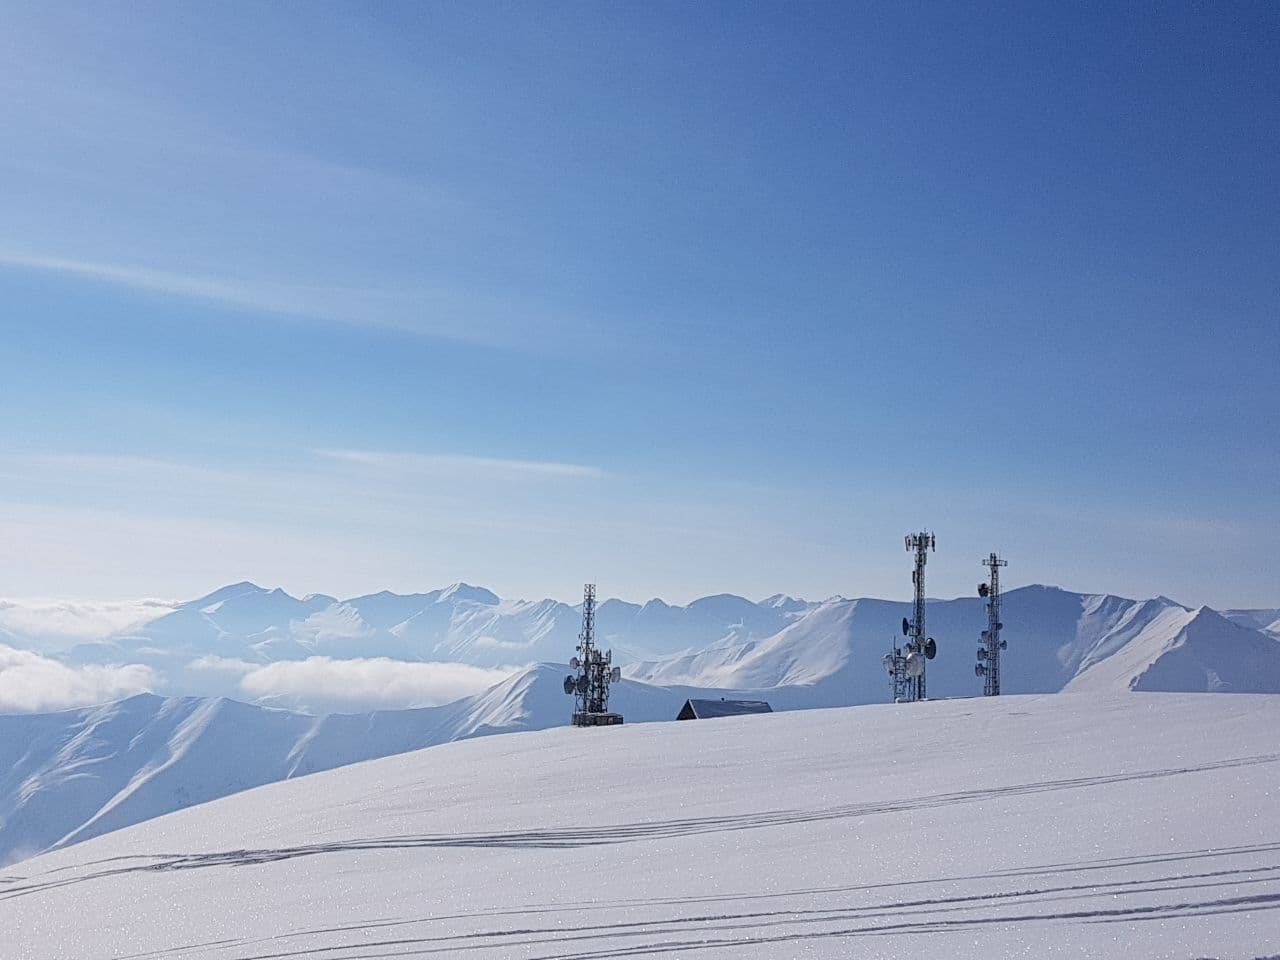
679, 298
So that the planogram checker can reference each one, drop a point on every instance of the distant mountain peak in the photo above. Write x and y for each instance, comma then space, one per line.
465, 591
779, 600
1210, 616
228, 592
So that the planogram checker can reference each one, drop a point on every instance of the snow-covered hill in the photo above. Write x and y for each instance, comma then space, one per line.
76, 774
877, 832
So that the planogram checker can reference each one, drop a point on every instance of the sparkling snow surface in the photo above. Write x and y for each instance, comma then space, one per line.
1073, 825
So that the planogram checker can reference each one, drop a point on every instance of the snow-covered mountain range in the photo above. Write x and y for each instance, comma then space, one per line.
207, 646
460, 623
1057, 640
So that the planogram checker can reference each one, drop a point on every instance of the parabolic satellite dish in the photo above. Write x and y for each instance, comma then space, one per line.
930, 649
615, 674
569, 684
906, 626
915, 665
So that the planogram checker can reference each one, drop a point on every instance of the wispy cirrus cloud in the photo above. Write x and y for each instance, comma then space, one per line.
413, 312
439, 463
325, 469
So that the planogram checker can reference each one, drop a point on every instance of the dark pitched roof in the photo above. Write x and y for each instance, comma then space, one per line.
705, 709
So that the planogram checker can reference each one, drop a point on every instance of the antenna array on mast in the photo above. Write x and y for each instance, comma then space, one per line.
988, 665
595, 672
906, 664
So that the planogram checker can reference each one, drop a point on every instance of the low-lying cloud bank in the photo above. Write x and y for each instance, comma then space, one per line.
31, 683
325, 685
52, 623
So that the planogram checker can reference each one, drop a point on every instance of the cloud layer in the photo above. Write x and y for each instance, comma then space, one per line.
42, 622
322, 684
30, 683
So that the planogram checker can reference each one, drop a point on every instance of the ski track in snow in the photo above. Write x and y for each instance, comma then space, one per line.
551, 839
1159, 887
745, 927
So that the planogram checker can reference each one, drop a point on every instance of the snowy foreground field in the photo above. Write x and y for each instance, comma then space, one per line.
1134, 825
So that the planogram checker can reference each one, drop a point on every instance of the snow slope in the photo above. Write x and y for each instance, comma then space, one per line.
76, 774
874, 832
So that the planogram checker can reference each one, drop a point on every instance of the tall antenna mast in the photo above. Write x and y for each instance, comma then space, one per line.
988, 665
920, 647
595, 671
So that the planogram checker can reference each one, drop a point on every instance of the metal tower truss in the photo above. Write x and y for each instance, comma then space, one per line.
920, 647
988, 665
589, 686
895, 664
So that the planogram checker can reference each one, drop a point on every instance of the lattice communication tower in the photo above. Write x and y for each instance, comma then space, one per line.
919, 648
589, 687
988, 665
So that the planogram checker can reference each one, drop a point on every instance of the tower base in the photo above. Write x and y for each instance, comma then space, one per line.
584, 719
